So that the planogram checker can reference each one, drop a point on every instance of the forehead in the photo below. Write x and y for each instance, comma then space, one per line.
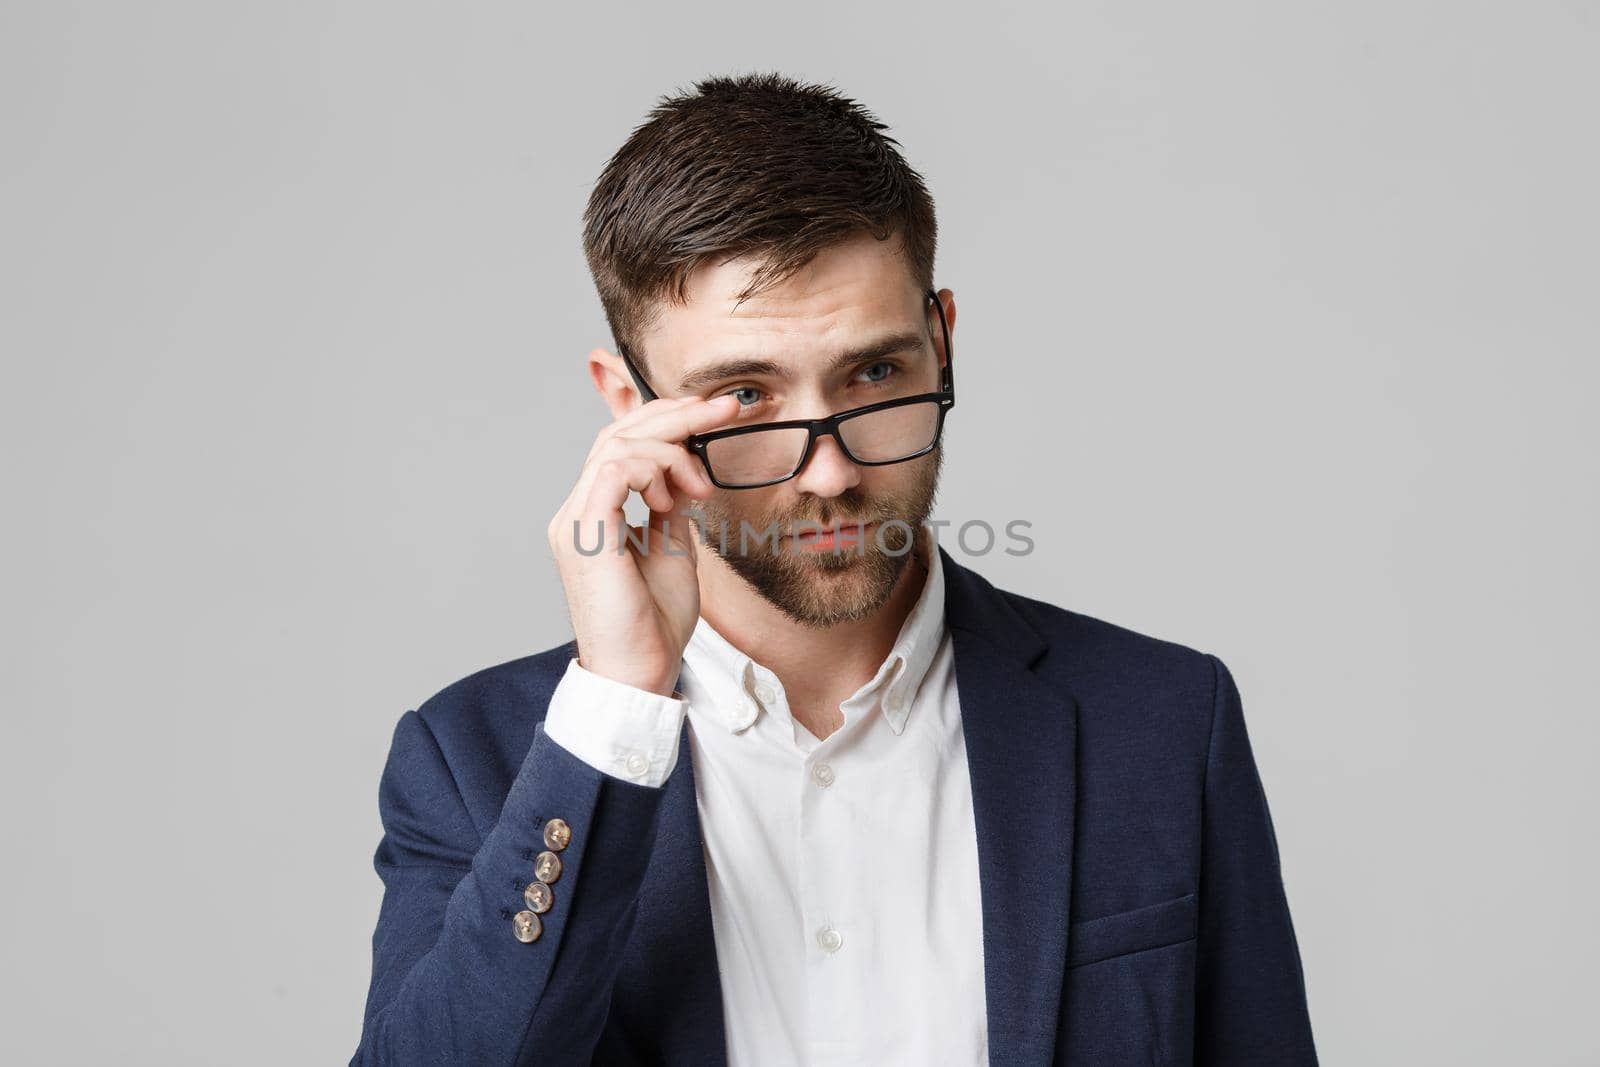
850, 292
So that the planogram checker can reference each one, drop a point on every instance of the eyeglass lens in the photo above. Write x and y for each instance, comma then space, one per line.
884, 436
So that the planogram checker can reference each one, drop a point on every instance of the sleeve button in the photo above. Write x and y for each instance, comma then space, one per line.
547, 867
638, 763
557, 834
539, 897
527, 927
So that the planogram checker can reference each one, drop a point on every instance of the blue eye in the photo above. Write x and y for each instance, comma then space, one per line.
755, 395
882, 363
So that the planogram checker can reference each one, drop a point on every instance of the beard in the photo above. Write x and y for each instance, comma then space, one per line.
821, 587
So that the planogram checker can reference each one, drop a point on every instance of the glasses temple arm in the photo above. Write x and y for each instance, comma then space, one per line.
646, 393
948, 384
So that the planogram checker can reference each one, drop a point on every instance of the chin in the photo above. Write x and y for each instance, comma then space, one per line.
827, 563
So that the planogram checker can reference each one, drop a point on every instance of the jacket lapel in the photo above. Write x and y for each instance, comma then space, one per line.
686, 958
1021, 736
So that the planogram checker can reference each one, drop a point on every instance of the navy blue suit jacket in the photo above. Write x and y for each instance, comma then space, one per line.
1132, 903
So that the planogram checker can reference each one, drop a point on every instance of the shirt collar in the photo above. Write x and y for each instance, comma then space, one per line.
728, 676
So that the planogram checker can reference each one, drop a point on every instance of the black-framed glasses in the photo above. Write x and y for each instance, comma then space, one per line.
890, 431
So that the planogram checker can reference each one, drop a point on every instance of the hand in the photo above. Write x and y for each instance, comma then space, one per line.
633, 610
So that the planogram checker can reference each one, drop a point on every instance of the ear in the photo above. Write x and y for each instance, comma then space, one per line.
948, 299
613, 382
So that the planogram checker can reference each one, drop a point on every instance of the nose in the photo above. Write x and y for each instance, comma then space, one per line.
828, 471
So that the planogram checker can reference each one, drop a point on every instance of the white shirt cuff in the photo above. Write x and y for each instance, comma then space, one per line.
627, 732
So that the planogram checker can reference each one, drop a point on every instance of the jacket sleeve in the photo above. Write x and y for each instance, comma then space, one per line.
1250, 989
451, 982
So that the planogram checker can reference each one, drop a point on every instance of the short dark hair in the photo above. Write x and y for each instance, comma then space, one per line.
755, 164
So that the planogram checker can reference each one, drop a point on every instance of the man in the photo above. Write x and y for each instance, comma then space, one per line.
803, 789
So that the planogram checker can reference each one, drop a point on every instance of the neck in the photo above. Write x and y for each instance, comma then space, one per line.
819, 668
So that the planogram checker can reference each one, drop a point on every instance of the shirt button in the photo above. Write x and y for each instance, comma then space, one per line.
830, 939
823, 774
638, 763
765, 694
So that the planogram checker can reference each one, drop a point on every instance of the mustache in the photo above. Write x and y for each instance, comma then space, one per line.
831, 524
843, 512
847, 526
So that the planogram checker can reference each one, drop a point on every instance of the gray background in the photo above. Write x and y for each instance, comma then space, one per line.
1277, 320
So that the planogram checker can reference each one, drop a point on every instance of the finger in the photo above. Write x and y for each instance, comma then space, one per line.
615, 478
689, 417
628, 421
588, 516
685, 464
687, 473
676, 528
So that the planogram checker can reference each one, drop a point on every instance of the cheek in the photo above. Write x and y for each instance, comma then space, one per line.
727, 508
900, 483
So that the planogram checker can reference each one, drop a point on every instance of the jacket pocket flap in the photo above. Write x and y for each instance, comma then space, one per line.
1152, 926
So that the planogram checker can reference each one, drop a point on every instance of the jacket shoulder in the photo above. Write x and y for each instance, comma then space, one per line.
503, 688
1096, 650
1142, 699
484, 724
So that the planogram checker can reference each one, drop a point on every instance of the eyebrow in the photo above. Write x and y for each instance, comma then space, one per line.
712, 373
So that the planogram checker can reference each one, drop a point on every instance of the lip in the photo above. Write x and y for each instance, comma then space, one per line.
844, 533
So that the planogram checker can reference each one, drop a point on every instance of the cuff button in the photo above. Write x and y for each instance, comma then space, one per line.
557, 834
539, 897
527, 927
547, 867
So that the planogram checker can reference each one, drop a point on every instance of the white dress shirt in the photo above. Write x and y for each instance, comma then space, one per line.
843, 872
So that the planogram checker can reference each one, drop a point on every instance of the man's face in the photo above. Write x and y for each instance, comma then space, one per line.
846, 301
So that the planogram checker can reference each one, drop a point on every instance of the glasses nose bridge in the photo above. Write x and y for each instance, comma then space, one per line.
827, 426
